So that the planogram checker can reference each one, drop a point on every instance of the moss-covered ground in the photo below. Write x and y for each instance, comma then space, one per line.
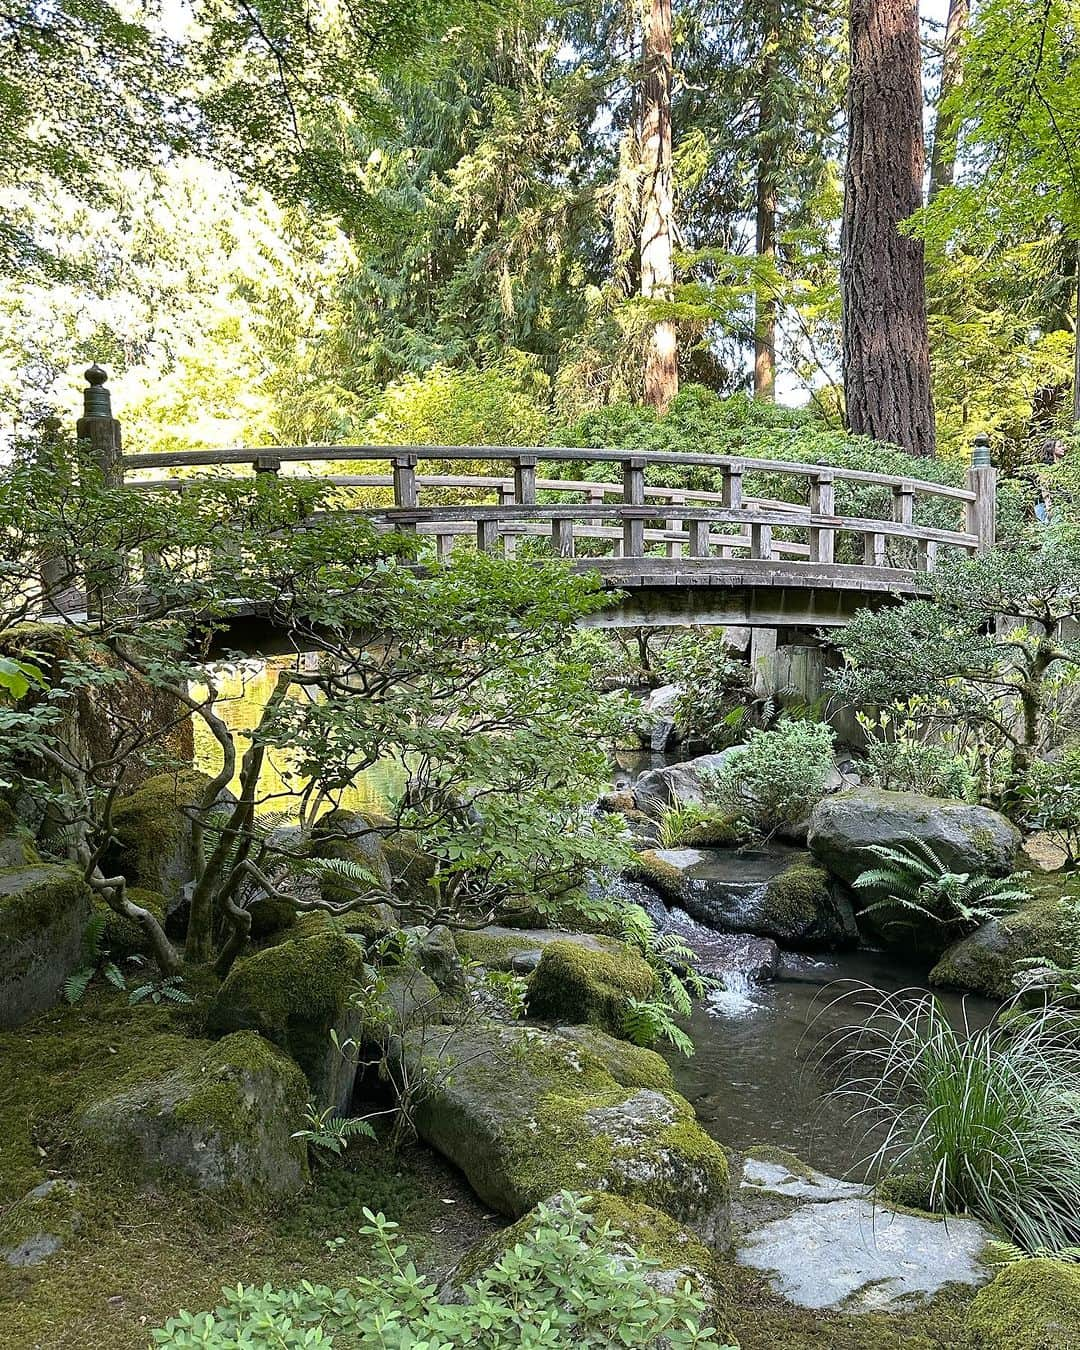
142, 1252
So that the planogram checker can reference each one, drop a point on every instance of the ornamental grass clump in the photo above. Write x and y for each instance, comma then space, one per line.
987, 1119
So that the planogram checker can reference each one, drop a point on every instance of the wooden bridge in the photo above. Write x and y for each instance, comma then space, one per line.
677, 555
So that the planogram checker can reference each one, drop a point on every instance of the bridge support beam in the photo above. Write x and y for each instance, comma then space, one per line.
763, 661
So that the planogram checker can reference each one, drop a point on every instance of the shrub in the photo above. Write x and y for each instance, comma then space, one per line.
987, 1117
693, 825
714, 703
1050, 799
492, 406
906, 754
565, 1284
778, 776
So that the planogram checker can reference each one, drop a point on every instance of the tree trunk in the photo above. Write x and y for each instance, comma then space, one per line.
947, 125
886, 349
1076, 350
765, 300
657, 269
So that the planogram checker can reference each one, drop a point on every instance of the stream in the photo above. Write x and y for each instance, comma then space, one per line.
752, 1078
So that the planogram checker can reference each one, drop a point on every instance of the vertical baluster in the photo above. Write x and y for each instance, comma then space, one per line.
675, 525
444, 544
760, 540
928, 551
487, 535
562, 537
874, 549
822, 503
525, 480
732, 485
634, 495
698, 530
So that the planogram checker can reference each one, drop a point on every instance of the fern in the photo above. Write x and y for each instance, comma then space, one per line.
646, 1021
915, 881
93, 959
168, 990
327, 1132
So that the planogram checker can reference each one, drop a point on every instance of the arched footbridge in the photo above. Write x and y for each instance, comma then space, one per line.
720, 555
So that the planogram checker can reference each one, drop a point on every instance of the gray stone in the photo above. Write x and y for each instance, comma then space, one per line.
797, 1183
678, 784
222, 1118
657, 723
966, 838
437, 955
775, 893
847, 1253
44, 910
525, 1113
40, 1224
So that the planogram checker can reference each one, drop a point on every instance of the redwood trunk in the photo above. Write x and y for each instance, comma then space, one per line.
765, 302
657, 268
947, 124
886, 349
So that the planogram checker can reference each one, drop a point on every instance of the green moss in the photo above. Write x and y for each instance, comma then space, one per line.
152, 832
906, 1191
575, 984
270, 915
123, 937
292, 993
33, 898
660, 874
1031, 1305
796, 898
369, 923
493, 951
16, 842
630, 1065
723, 831
779, 1157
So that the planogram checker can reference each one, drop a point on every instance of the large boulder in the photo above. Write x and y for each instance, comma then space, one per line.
221, 1119
153, 845
682, 784
525, 1113
985, 961
1030, 1305
295, 994
519, 949
966, 838
656, 721
630, 1065
573, 984
775, 893
44, 910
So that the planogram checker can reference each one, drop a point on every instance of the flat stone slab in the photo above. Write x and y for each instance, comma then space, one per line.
777, 1179
847, 1252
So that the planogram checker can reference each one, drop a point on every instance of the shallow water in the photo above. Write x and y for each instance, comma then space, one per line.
752, 1078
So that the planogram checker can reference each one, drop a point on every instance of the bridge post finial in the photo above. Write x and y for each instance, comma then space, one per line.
980, 452
98, 429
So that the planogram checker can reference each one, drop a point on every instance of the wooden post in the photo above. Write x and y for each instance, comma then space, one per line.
928, 551
562, 536
405, 491
634, 495
731, 489
760, 540
982, 480
763, 660
525, 480
698, 531
444, 544
874, 549
99, 430
675, 526
822, 503
487, 535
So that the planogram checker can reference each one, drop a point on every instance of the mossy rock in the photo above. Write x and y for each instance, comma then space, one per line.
985, 961
525, 1114
40, 1224
295, 994
368, 924
802, 908
722, 831
520, 949
270, 915
630, 1065
573, 984
17, 848
152, 833
1030, 1305
123, 937
663, 876
44, 910
221, 1120
676, 1255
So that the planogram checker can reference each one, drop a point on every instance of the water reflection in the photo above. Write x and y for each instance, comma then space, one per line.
243, 691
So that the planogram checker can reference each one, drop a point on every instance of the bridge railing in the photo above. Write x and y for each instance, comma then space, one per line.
631, 517
613, 522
